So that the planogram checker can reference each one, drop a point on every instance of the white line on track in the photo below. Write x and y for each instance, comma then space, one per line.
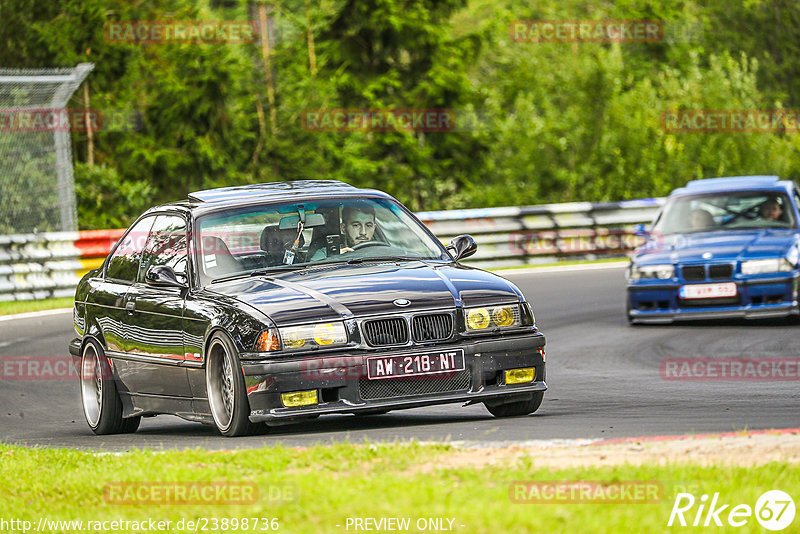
563, 268
537, 443
33, 315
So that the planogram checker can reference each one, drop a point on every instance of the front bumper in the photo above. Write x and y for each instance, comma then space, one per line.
342, 384
758, 297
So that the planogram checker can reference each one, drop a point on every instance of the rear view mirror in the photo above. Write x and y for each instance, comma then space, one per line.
462, 246
312, 220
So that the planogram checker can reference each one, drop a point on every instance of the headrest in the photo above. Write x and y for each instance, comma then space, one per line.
274, 240
214, 245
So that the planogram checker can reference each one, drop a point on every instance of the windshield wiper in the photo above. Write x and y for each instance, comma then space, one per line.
382, 258
260, 272
278, 269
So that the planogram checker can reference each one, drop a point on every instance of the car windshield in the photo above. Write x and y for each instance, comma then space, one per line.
275, 237
735, 210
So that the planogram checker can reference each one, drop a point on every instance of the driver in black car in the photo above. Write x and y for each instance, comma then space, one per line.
358, 226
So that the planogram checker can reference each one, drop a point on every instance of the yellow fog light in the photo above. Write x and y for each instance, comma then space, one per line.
520, 376
478, 319
299, 398
326, 334
293, 339
503, 316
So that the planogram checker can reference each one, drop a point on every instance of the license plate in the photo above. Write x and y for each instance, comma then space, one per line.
428, 363
708, 291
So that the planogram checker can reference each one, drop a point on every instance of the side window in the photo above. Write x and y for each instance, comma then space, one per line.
166, 246
124, 263
796, 200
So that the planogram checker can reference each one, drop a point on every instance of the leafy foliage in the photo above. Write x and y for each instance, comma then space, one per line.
538, 122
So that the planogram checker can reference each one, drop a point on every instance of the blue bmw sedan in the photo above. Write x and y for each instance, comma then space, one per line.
719, 248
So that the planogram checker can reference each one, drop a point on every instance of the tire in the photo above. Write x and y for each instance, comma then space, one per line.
130, 425
101, 405
227, 396
628, 315
514, 409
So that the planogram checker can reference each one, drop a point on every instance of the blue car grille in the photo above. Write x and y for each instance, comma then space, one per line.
699, 273
720, 272
694, 273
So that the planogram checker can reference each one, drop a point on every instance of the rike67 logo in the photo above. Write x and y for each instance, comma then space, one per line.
774, 510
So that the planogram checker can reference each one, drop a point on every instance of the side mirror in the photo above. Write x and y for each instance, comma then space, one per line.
641, 229
462, 246
162, 276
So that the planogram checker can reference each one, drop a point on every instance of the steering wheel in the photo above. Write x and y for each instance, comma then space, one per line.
749, 213
366, 244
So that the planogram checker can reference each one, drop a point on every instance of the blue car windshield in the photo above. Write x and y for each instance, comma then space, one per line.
280, 236
731, 210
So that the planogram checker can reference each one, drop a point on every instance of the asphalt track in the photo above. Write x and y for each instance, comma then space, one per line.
604, 376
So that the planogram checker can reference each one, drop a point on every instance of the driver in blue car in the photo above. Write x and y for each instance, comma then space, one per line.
771, 209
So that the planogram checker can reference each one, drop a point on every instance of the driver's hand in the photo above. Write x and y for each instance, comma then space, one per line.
345, 249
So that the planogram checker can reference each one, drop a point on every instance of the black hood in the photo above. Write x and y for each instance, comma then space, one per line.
341, 291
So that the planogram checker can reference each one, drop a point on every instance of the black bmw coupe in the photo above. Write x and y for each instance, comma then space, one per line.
280, 302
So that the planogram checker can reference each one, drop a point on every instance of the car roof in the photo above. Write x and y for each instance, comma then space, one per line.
734, 183
221, 198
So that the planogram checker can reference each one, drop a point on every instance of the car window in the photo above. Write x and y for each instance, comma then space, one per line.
166, 245
124, 262
733, 210
307, 233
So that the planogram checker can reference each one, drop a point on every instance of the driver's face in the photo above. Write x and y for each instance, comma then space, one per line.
771, 211
359, 228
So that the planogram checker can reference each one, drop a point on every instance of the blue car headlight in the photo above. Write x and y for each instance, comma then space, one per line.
771, 265
661, 272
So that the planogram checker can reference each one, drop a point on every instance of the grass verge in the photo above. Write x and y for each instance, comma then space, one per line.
24, 306
317, 489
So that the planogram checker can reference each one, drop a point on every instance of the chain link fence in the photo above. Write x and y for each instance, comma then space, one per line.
37, 190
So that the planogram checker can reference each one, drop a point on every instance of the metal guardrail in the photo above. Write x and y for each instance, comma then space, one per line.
45, 265
514, 236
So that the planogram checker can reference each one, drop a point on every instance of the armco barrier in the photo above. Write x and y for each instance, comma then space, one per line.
515, 236
37, 266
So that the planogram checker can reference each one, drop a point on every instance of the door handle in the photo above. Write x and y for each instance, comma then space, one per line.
130, 306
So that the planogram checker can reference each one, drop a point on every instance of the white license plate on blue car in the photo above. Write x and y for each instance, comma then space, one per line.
708, 291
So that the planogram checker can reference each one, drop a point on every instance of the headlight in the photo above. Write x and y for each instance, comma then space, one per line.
772, 265
313, 335
268, 341
478, 319
661, 272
